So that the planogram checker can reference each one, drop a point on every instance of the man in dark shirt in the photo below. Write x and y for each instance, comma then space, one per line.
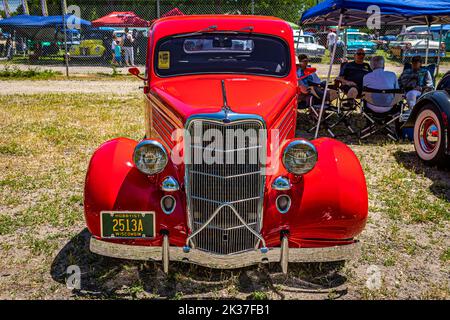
352, 75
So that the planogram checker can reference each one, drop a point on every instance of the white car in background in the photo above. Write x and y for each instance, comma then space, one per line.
308, 45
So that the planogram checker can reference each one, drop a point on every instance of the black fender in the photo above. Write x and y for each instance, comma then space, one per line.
441, 99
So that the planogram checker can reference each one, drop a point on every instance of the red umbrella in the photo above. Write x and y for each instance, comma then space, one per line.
121, 19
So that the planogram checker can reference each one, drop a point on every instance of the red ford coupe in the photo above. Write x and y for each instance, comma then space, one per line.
220, 179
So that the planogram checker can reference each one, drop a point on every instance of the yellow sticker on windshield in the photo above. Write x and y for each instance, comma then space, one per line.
164, 60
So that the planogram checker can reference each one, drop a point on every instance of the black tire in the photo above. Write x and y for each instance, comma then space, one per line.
429, 140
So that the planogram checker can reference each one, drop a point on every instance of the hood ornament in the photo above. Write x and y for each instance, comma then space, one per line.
226, 108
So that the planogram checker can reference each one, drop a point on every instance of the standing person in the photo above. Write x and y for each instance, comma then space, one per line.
113, 50
415, 81
9, 47
331, 40
118, 52
128, 48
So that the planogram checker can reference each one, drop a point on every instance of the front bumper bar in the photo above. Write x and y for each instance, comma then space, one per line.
282, 255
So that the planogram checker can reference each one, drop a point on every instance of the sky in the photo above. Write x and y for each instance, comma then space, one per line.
13, 4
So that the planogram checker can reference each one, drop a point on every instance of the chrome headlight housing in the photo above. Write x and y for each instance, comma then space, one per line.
300, 157
150, 157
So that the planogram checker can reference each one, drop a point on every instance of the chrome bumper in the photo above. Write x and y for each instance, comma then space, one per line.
278, 255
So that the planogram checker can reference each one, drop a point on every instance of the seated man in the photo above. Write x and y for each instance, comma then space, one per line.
352, 75
310, 85
383, 80
415, 81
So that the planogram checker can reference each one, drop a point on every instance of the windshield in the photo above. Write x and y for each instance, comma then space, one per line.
358, 37
304, 39
222, 53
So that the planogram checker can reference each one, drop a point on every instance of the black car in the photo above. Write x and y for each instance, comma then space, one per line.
430, 120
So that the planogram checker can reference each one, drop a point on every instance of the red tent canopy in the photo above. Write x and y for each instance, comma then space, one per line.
121, 19
171, 13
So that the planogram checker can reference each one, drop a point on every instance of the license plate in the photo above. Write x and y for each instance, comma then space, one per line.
126, 225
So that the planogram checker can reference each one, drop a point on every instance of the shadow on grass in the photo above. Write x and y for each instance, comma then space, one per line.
439, 176
103, 277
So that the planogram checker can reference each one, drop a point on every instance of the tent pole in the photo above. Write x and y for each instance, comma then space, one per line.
333, 54
428, 42
66, 57
439, 52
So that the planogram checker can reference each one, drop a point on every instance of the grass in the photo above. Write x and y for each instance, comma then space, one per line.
45, 147
13, 72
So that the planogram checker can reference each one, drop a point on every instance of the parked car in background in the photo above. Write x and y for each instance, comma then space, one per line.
95, 44
430, 119
220, 179
357, 40
384, 41
321, 38
307, 44
408, 45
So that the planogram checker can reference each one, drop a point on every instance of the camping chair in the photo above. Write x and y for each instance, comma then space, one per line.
314, 110
381, 122
345, 106
431, 69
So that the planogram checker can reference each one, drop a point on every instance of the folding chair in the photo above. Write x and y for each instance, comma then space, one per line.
381, 122
431, 69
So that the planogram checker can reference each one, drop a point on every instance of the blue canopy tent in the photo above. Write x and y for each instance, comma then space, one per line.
42, 28
393, 12
362, 12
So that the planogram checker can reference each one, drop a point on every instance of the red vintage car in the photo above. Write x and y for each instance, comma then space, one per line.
220, 179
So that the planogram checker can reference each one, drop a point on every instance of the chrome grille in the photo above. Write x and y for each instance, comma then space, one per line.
239, 184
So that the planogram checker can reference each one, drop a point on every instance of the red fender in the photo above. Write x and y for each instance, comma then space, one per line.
329, 204
114, 183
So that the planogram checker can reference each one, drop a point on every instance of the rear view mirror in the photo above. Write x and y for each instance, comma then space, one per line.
136, 72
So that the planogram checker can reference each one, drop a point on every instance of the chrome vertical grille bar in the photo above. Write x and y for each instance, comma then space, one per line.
239, 184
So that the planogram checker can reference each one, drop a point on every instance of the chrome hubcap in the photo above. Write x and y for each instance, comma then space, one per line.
428, 135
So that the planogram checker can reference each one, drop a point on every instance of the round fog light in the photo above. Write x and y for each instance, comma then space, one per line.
283, 203
168, 204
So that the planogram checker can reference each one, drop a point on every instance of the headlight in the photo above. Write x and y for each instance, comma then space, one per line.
299, 157
150, 157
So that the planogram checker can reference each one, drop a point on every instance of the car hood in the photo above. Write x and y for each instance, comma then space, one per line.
189, 95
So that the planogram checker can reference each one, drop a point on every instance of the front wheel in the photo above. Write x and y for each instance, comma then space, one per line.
429, 140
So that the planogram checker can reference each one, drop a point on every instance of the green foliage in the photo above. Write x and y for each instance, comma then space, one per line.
289, 10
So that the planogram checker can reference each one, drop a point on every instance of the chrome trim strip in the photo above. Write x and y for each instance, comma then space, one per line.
229, 203
244, 259
227, 177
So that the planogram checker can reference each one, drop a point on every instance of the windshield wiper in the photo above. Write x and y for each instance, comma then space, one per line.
208, 29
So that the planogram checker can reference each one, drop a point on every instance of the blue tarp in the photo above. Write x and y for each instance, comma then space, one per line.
393, 12
27, 21
41, 28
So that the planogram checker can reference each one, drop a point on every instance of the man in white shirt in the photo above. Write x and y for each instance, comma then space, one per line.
383, 80
331, 40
